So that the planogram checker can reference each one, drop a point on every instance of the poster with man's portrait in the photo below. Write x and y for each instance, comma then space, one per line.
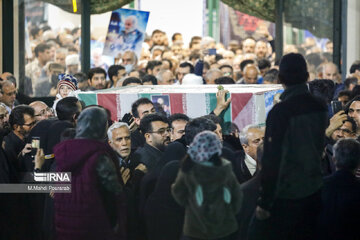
126, 31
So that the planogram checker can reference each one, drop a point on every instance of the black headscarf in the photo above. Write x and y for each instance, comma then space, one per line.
92, 124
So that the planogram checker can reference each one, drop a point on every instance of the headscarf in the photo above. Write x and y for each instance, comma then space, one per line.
92, 124
204, 146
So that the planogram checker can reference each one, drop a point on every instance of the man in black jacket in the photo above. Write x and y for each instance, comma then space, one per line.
341, 126
291, 176
250, 189
156, 131
341, 194
132, 171
21, 120
139, 109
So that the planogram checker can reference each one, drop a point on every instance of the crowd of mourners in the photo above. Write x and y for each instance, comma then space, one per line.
156, 176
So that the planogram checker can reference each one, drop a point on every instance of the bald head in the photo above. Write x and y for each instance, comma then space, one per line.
213, 74
42, 111
249, 45
8, 93
250, 74
229, 56
261, 49
330, 71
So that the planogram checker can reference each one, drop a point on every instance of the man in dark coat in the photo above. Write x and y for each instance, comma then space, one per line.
132, 172
341, 194
21, 120
139, 109
341, 126
16, 207
156, 131
251, 190
291, 177
164, 218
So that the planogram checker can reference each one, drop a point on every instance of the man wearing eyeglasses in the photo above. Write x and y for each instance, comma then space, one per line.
42, 111
21, 120
8, 95
341, 126
251, 137
156, 131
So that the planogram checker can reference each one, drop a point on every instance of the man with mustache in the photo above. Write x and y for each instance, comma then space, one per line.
4, 122
120, 141
21, 120
130, 36
156, 131
97, 78
132, 172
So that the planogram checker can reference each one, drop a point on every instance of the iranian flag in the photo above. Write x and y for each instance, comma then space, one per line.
241, 110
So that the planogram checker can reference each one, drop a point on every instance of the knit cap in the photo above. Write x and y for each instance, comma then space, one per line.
68, 80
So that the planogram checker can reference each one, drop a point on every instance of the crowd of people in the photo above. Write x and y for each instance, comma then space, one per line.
158, 176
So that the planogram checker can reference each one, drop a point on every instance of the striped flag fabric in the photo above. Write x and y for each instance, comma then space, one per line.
249, 104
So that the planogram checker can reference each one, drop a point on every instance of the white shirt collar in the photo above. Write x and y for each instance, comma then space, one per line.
250, 164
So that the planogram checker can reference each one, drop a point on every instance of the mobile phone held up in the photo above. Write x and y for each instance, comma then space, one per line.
35, 145
212, 51
336, 106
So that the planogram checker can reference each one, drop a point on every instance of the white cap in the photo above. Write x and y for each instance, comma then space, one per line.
192, 79
72, 59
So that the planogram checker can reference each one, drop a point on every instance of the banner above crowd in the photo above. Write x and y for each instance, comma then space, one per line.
126, 32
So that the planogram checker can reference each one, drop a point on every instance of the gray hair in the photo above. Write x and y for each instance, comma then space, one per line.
134, 57
61, 50
133, 20
251, 66
244, 132
160, 74
205, 41
114, 126
347, 154
210, 72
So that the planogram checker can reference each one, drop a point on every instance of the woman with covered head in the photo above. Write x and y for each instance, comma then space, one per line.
208, 189
93, 209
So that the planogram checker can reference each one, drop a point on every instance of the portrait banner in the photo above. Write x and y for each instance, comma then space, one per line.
126, 32
236, 25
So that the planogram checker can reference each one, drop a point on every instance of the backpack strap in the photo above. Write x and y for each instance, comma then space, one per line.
199, 195
227, 195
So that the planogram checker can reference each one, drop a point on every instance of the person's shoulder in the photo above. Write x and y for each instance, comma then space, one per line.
138, 151
176, 145
279, 110
341, 178
251, 184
